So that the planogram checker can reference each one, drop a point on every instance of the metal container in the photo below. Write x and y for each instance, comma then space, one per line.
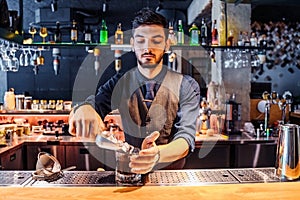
288, 159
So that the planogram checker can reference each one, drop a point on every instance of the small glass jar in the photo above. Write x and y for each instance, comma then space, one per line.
68, 105
35, 104
51, 105
43, 105
59, 105
27, 102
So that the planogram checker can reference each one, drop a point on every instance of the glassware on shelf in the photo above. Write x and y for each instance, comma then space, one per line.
27, 58
229, 58
33, 60
43, 33
4, 56
32, 31
13, 61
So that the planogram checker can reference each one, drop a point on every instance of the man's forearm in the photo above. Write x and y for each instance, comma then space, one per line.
173, 151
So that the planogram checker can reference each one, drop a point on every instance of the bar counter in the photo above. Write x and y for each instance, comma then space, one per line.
268, 190
257, 191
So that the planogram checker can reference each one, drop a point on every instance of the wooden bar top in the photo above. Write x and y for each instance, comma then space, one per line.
257, 191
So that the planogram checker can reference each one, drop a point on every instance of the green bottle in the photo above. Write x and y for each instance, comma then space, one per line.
103, 33
180, 33
194, 35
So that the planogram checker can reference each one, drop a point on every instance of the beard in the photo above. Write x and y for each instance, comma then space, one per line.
150, 65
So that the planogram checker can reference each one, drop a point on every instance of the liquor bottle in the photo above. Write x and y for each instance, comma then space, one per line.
194, 35
246, 39
203, 32
103, 33
74, 32
253, 39
57, 33
119, 35
214, 35
180, 33
172, 36
88, 35
241, 39
230, 39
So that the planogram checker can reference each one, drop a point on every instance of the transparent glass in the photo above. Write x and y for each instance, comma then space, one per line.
124, 176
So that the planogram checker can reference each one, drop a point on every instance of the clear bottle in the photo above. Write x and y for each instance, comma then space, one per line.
171, 35
214, 35
9, 99
241, 39
57, 33
203, 32
119, 35
194, 35
74, 32
180, 33
103, 33
246, 39
88, 35
253, 39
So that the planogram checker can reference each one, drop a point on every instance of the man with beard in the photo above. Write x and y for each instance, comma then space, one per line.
158, 107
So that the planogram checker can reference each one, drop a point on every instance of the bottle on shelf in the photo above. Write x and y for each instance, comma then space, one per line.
253, 39
203, 32
180, 33
88, 35
214, 35
246, 39
74, 32
103, 33
57, 33
119, 35
194, 35
230, 39
171, 35
241, 39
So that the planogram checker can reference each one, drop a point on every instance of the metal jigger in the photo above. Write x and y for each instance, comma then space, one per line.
107, 140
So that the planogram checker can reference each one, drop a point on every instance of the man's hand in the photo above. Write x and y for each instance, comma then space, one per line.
85, 122
148, 157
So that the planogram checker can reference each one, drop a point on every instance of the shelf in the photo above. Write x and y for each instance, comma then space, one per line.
67, 44
34, 112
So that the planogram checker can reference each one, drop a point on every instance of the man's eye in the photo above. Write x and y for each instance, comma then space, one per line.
157, 41
140, 41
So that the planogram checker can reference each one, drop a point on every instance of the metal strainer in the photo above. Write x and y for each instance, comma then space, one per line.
48, 168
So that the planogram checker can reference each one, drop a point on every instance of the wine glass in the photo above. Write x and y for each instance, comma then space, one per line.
24, 57
32, 31
43, 33
33, 60
14, 62
5, 62
27, 58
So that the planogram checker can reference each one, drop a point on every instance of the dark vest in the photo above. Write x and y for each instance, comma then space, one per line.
137, 120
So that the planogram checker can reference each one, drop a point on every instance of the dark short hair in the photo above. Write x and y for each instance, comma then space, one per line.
146, 16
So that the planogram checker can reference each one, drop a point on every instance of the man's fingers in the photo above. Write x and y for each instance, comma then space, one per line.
150, 139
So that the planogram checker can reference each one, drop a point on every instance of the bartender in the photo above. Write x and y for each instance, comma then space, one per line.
158, 106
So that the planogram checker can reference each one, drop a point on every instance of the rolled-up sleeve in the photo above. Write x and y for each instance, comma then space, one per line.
188, 111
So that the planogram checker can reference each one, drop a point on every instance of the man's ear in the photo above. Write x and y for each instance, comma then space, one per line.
131, 43
168, 44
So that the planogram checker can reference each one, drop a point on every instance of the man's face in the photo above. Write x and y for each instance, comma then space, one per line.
149, 43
